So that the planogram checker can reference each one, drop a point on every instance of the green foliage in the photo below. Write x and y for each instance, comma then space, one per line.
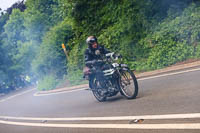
3, 18
76, 62
48, 82
44, 8
197, 53
173, 40
75, 76
169, 54
14, 30
10, 38
153, 33
51, 58
117, 24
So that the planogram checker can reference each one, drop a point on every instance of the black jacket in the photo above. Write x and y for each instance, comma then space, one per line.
91, 56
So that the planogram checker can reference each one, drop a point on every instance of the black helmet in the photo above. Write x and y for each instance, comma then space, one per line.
91, 39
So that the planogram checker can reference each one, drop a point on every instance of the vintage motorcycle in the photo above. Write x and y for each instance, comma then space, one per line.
109, 76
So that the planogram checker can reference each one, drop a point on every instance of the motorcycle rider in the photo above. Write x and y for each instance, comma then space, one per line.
93, 54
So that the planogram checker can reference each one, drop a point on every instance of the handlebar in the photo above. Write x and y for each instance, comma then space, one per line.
109, 58
113, 56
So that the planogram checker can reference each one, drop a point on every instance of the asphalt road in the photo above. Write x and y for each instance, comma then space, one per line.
167, 103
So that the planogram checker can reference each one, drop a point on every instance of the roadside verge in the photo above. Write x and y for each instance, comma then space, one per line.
139, 76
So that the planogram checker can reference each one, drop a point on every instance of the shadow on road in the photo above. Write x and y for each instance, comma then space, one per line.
113, 99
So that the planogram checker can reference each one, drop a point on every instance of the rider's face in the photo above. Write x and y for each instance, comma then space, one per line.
94, 45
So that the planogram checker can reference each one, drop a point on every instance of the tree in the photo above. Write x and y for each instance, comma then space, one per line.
18, 5
51, 58
12, 45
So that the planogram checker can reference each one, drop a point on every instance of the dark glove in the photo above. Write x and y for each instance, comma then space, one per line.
98, 62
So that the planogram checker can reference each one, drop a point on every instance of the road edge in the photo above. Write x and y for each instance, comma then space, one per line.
139, 76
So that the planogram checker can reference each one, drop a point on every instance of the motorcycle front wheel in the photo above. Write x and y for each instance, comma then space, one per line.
128, 84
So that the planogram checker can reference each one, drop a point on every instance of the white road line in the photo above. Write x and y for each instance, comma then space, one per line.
110, 126
169, 74
150, 117
8, 98
54, 93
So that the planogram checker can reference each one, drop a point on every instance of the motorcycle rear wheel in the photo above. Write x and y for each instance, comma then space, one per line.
97, 91
128, 84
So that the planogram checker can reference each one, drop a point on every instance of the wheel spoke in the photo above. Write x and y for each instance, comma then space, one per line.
98, 91
128, 84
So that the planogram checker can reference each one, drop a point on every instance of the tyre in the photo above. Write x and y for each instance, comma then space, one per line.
97, 90
128, 84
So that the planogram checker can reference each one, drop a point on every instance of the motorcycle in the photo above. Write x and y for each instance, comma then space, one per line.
108, 77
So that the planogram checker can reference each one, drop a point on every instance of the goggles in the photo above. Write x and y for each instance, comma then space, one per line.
92, 41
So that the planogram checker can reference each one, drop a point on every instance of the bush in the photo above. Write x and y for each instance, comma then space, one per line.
48, 82
173, 40
75, 77
197, 50
51, 58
